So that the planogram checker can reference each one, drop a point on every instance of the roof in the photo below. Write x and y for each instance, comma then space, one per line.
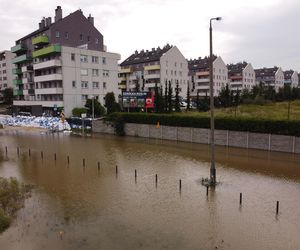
288, 74
146, 56
266, 72
200, 64
236, 68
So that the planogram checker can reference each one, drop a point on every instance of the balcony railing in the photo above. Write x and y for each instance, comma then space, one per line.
18, 92
40, 40
17, 81
17, 71
18, 48
20, 59
56, 48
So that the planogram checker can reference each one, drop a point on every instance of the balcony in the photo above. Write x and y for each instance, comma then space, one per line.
40, 40
17, 81
122, 86
49, 91
42, 103
27, 80
16, 71
48, 78
47, 64
56, 48
20, 59
128, 70
18, 48
203, 80
122, 79
31, 91
152, 76
202, 73
152, 67
18, 92
151, 85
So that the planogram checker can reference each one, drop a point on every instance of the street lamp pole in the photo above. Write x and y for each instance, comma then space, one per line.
212, 121
93, 108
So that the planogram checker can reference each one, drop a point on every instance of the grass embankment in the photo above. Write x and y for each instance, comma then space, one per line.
12, 196
269, 111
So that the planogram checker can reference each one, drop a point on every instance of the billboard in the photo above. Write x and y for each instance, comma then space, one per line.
132, 99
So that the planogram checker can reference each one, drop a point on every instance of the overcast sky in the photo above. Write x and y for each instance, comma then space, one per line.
262, 32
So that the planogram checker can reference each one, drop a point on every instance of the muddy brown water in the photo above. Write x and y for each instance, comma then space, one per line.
76, 207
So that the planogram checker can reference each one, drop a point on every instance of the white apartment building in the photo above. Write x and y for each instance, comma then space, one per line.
6, 69
145, 69
199, 75
273, 77
291, 78
241, 76
66, 80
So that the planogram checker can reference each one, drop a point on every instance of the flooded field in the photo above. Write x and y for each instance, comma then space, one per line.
81, 206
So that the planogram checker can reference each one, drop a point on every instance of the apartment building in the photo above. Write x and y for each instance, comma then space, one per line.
58, 67
291, 78
143, 70
273, 77
199, 75
6, 69
241, 76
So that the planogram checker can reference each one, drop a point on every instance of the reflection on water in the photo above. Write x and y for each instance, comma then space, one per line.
81, 207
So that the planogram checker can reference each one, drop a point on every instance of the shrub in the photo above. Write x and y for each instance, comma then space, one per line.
78, 111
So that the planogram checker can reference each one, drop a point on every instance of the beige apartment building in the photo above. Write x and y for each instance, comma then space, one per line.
6, 69
199, 76
147, 68
273, 77
241, 76
291, 78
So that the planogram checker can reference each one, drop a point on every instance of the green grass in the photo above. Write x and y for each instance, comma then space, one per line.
270, 111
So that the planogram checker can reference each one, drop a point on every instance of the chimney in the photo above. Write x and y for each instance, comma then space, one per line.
48, 21
91, 19
58, 14
43, 23
40, 25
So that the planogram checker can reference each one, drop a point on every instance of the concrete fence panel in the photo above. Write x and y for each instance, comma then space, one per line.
237, 139
142, 130
259, 141
297, 145
184, 134
201, 135
282, 143
130, 129
221, 137
169, 133
155, 132
103, 127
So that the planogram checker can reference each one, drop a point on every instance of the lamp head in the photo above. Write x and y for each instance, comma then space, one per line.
219, 18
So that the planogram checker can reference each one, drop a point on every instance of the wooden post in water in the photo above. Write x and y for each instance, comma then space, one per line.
83, 162
180, 185
241, 198
277, 207
18, 151
42, 155
68, 160
116, 169
135, 174
55, 156
6, 150
156, 180
29, 153
206, 190
98, 166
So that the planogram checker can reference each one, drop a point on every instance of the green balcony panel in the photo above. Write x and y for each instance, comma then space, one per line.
56, 48
18, 48
40, 40
17, 71
17, 81
18, 92
20, 59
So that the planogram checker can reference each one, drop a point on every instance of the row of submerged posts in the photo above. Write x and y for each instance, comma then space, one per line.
135, 174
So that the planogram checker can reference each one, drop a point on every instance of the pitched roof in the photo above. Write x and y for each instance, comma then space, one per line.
200, 64
236, 68
266, 72
146, 56
288, 74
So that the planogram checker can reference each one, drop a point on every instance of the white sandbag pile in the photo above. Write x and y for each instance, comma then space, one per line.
52, 123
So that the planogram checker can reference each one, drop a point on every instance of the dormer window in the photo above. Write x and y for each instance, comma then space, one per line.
57, 35
81, 37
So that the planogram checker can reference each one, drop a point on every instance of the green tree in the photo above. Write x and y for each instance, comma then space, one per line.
8, 95
170, 94
177, 103
225, 96
198, 101
78, 111
188, 97
99, 110
111, 104
166, 97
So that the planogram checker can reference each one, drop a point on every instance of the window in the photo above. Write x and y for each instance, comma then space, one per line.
73, 84
84, 97
81, 37
67, 35
73, 57
57, 34
96, 40
3, 64
83, 58
175, 64
95, 85
104, 85
83, 72
88, 38
84, 85
95, 72
104, 60
95, 59
105, 73
4, 72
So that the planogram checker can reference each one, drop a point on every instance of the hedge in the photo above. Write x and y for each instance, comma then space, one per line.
281, 127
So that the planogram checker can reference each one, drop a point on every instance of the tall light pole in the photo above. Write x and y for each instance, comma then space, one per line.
212, 121
93, 108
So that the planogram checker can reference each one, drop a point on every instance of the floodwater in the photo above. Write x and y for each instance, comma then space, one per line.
78, 207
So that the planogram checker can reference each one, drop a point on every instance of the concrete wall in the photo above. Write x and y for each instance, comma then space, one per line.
238, 139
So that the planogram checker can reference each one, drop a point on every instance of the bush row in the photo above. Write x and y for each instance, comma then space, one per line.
283, 127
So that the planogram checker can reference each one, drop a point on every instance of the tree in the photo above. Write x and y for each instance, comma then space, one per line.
8, 95
99, 110
177, 103
111, 104
188, 97
170, 93
225, 96
78, 111
166, 97
197, 101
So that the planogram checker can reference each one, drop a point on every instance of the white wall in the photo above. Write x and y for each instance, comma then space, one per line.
279, 79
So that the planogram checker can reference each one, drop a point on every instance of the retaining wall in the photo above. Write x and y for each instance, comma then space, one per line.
229, 138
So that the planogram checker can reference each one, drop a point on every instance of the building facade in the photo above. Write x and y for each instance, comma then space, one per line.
7, 68
241, 76
272, 77
145, 69
200, 76
59, 67
291, 78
